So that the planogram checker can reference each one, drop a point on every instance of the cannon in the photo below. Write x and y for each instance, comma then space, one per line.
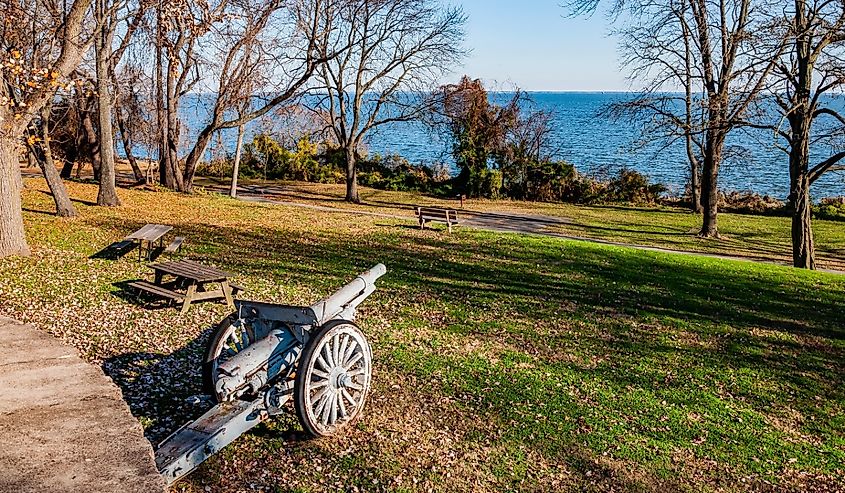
262, 356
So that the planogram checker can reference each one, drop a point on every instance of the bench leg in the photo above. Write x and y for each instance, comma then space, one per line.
189, 297
227, 292
450, 227
422, 223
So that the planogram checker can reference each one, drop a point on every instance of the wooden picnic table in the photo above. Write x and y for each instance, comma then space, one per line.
191, 282
149, 234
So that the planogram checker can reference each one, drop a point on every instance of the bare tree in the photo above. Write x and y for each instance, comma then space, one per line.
182, 25
249, 55
268, 51
720, 51
38, 142
30, 79
400, 48
106, 17
42, 147
807, 77
131, 115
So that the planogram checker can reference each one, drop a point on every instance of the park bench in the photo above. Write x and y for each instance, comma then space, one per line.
427, 214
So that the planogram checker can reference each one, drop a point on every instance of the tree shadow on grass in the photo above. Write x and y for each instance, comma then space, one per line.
164, 391
38, 211
628, 306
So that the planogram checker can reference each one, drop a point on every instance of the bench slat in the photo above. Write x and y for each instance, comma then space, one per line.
156, 290
175, 245
438, 214
426, 214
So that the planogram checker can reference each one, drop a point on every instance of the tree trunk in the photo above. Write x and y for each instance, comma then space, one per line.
801, 121
171, 115
695, 186
165, 174
233, 190
107, 195
193, 157
127, 147
67, 169
351, 176
64, 206
12, 236
801, 205
91, 143
710, 184
803, 251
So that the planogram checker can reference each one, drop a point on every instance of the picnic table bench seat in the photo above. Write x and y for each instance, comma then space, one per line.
175, 245
155, 289
427, 214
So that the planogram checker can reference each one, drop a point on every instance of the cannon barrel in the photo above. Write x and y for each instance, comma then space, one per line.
343, 302
264, 360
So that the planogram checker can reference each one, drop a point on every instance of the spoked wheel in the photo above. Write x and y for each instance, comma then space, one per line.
228, 339
333, 378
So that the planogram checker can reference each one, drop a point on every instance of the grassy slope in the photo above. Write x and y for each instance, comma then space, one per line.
503, 361
756, 237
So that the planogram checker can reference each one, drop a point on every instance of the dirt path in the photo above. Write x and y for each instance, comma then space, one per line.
64, 426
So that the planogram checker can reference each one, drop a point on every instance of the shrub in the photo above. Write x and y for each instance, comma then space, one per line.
832, 208
485, 183
217, 168
750, 203
633, 187
549, 182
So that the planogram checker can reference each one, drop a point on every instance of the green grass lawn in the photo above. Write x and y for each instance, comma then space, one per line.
750, 236
503, 361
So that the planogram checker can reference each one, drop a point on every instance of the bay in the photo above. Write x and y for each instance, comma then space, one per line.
594, 144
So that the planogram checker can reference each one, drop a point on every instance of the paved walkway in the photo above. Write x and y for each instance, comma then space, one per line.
493, 221
64, 426
502, 222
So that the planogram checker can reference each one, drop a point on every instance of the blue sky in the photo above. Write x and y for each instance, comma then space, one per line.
534, 45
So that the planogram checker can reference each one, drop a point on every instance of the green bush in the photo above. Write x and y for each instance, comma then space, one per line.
633, 187
485, 183
217, 168
393, 172
831, 208
550, 181
265, 157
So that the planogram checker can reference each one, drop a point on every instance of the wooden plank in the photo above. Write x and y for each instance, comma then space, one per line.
191, 270
216, 294
150, 232
157, 231
441, 215
189, 297
156, 290
175, 245
139, 234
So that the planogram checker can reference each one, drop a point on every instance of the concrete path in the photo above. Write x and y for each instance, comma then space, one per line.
64, 426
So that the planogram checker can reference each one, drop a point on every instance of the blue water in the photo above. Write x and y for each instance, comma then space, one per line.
597, 145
